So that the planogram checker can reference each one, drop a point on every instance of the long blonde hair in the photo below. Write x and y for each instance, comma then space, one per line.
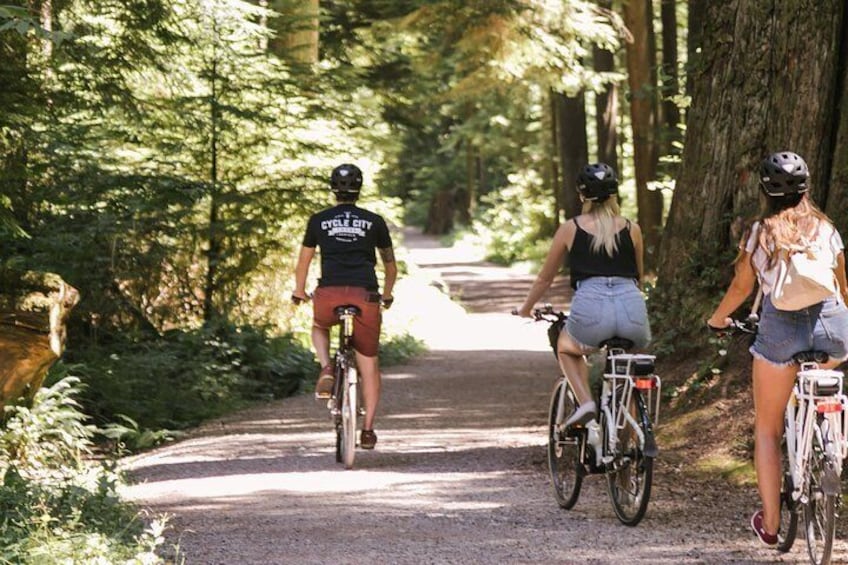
787, 223
604, 213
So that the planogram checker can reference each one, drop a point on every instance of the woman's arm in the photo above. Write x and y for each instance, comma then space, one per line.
560, 245
740, 288
301, 270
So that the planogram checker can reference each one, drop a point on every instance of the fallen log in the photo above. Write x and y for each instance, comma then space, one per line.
34, 308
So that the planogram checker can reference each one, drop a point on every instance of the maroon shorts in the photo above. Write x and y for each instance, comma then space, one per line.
366, 327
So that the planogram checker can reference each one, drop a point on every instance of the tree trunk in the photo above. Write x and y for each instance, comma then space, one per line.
573, 147
643, 117
606, 107
297, 30
33, 310
694, 39
671, 84
553, 156
770, 79
440, 216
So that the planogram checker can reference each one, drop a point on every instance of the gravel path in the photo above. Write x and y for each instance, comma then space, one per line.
459, 474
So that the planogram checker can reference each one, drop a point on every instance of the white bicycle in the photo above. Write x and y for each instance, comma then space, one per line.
814, 449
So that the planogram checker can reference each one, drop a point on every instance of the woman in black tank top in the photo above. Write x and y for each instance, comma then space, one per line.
605, 263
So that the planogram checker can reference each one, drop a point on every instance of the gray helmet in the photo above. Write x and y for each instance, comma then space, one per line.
597, 182
346, 178
783, 173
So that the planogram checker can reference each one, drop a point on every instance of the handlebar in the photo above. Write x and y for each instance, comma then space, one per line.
748, 326
544, 313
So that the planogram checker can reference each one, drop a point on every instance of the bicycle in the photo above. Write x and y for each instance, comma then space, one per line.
814, 448
622, 445
345, 401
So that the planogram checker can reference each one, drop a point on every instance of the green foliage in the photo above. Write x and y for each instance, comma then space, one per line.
517, 221
185, 377
56, 507
397, 349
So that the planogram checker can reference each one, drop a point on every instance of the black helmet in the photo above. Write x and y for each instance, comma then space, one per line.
783, 173
597, 182
346, 178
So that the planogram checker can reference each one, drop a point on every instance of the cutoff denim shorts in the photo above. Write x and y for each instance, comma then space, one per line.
782, 334
605, 307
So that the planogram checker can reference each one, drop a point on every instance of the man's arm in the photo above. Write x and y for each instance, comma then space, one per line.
390, 267
301, 271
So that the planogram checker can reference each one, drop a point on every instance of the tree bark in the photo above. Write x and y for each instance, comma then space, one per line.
573, 147
33, 310
440, 216
767, 82
643, 118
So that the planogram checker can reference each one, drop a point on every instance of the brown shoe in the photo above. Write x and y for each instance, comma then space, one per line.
367, 439
326, 380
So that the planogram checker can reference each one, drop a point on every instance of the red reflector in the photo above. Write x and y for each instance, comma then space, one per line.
829, 407
645, 384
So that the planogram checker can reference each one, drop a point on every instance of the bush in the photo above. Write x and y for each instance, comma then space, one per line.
186, 377
55, 506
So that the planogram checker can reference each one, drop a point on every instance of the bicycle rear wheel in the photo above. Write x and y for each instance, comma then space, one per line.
350, 413
820, 509
788, 511
629, 483
564, 448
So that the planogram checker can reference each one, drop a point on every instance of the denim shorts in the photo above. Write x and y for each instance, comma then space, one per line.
605, 307
782, 334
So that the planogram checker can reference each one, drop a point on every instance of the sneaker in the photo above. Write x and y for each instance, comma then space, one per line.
757, 526
367, 439
326, 380
584, 414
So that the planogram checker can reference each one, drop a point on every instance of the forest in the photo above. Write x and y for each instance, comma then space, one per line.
162, 157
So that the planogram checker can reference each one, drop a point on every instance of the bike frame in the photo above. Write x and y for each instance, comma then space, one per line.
802, 428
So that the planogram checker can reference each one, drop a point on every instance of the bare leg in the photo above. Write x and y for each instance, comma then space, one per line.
321, 343
772, 387
574, 367
369, 368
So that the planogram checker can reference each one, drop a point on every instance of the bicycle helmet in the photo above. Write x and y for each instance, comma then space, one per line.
346, 178
783, 174
597, 182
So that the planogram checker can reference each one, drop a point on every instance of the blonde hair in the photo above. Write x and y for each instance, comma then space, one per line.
786, 224
606, 233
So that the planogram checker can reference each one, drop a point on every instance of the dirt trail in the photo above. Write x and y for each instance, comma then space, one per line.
459, 473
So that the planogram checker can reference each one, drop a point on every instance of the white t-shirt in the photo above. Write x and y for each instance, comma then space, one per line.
827, 246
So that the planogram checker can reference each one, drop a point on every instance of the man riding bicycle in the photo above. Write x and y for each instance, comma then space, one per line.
348, 236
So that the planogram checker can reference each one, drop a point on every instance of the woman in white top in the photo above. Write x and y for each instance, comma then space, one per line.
791, 219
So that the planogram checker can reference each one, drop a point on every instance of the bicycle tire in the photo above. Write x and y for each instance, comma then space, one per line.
820, 509
629, 484
564, 449
788, 508
350, 412
338, 396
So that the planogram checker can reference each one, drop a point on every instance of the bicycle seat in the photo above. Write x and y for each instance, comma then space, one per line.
344, 308
617, 343
811, 357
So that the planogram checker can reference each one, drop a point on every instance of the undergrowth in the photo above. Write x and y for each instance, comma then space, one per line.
58, 505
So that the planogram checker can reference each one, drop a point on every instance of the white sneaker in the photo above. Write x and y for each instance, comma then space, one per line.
584, 414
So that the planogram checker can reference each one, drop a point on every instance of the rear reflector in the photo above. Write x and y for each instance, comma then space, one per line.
829, 407
645, 384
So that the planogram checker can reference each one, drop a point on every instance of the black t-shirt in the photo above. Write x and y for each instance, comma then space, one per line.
347, 236
585, 263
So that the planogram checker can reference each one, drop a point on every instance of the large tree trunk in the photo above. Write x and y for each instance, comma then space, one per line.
573, 147
643, 118
33, 311
694, 40
769, 80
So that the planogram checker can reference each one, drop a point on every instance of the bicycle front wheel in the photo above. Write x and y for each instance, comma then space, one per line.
564, 448
629, 481
788, 513
820, 509
350, 412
